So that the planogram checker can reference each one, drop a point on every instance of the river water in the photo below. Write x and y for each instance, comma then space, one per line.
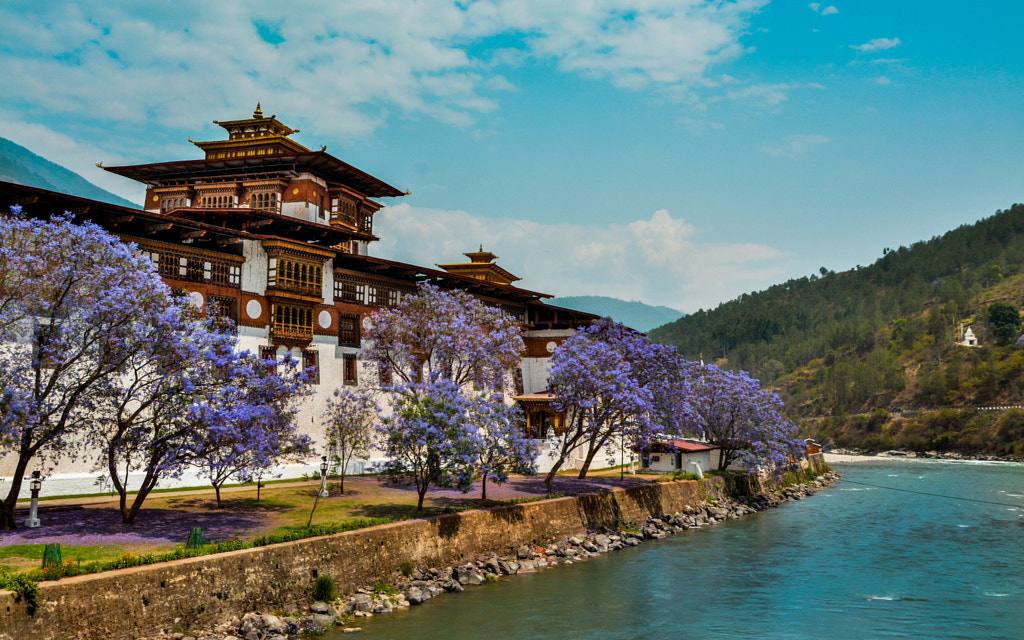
854, 561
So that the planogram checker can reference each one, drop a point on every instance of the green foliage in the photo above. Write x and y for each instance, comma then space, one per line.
406, 569
1004, 320
384, 588
546, 496
26, 588
324, 589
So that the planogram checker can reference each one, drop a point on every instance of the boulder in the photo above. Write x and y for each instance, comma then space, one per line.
363, 602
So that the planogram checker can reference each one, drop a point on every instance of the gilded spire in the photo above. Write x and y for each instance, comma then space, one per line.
258, 113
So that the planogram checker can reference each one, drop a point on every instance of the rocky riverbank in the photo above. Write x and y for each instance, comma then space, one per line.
861, 455
415, 586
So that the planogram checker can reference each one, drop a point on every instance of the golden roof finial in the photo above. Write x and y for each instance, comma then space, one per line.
258, 113
481, 247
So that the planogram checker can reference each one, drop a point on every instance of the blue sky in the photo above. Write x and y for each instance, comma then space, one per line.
679, 153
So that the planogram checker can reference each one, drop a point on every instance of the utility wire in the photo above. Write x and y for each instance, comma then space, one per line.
934, 495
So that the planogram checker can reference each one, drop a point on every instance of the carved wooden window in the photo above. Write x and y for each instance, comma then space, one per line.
222, 307
348, 330
293, 322
295, 275
343, 210
310, 366
265, 200
348, 291
350, 368
177, 265
216, 201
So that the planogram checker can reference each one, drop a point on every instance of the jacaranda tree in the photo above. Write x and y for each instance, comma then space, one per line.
443, 357
744, 421
72, 299
427, 439
501, 444
598, 380
351, 420
252, 427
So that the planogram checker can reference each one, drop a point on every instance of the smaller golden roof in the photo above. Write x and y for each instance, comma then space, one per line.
481, 267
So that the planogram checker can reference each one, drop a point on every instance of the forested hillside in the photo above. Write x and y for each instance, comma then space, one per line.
881, 341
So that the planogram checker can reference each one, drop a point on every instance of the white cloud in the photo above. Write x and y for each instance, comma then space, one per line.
878, 44
882, 80
826, 11
347, 68
795, 147
657, 260
768, 94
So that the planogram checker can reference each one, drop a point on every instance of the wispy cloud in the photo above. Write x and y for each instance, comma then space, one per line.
795, 147
877, 44
825, 11
768, 94
657, 259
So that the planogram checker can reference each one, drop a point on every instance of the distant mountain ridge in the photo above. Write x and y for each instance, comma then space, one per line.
21, 166
634, 314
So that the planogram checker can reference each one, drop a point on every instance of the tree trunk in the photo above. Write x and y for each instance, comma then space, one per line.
8, 505
724, 460
216, 489
483, 492
586, 462
596, 442
422, 493
550, 478
341, 483
147, 485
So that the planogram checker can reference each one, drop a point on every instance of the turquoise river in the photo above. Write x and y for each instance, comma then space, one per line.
854, 561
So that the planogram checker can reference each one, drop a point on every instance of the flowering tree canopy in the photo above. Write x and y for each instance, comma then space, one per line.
733, 413
427, 439
252, 426
446, 358
351, 418
72, 299
602, 379
444, 335
502, 446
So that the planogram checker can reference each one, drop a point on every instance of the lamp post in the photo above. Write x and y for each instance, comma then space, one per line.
35, 482
324, 466
323, 489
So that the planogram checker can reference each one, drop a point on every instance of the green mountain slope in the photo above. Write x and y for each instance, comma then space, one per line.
869, 357
21, 166
639, 316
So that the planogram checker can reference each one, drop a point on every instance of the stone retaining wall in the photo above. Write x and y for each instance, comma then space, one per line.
179, 595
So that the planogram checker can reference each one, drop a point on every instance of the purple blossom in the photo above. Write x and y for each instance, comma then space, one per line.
73, 299
733, 413
351, 418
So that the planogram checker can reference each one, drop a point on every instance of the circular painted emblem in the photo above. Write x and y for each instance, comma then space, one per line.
551, 346
253, 309
366, 322
196, 299
325, 319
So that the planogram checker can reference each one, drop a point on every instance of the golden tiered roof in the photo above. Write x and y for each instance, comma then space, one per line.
269, 135
481, 267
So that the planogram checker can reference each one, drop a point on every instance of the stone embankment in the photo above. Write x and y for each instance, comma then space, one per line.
418, 585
